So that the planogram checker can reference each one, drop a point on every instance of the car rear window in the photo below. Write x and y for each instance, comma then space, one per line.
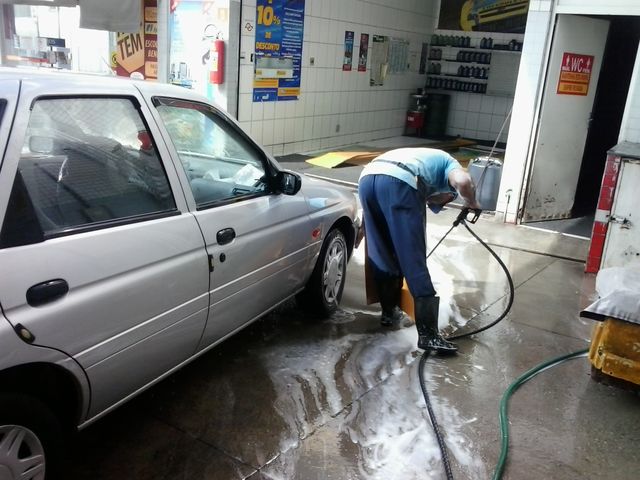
89, 162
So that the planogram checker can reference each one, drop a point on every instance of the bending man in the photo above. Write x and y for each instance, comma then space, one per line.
395, 189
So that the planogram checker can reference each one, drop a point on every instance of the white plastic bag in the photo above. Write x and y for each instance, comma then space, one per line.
247, 175
619, 292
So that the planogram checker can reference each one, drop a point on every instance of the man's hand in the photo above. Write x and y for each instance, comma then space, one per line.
474, 205
463, 183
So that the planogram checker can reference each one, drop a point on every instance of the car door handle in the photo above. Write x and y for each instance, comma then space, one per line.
225, 236
47, 292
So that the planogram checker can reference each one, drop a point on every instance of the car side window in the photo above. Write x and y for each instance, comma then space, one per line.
221, 165
87, 162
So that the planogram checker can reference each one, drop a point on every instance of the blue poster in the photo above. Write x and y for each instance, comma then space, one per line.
348, 51
278, 50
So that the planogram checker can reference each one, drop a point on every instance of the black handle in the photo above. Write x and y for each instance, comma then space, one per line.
464, 213
47, 292
225, 236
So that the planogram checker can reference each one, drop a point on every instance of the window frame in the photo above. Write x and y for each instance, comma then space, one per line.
270, 170
105, 224
3, 107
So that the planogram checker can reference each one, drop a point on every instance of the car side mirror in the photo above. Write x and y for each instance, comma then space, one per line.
288, 183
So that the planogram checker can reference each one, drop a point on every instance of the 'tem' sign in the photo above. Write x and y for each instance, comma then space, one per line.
575, 74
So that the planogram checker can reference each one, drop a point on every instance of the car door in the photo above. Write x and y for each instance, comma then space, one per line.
99, 256
258, 241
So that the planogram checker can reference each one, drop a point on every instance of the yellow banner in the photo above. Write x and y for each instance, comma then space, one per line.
573, 88
266, 83
574, 77
289, 92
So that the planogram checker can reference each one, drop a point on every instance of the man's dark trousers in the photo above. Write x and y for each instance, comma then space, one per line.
394, 220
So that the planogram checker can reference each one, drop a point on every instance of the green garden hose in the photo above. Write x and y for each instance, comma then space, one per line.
504, 425
504, 421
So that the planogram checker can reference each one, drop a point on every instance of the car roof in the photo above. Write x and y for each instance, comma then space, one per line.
50, 78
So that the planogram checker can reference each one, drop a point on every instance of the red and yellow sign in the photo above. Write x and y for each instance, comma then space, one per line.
575, 74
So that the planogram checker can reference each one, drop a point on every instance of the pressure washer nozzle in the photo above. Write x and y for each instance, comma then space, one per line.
463, 216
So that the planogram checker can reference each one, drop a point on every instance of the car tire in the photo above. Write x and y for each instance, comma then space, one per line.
323, 292
27, 420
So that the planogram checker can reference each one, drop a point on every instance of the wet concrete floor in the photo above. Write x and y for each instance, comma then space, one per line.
295, 397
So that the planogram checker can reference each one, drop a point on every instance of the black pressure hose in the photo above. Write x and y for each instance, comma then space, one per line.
432, 417
462, 217
509, 279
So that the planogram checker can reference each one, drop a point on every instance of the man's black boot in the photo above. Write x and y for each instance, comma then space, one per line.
389, 291
429, 337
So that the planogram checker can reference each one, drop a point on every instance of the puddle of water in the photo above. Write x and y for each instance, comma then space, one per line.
387, 430
332, 372
396, 441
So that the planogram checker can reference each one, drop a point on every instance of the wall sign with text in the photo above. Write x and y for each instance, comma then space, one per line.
364, 52
575, 74
136, 54
508, 16
347, 62
278, 50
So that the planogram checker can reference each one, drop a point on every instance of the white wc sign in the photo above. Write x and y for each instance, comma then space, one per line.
575, 74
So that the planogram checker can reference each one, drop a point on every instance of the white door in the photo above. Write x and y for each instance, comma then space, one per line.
622, 248
564, 118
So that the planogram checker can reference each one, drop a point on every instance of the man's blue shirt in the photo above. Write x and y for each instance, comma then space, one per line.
431, 164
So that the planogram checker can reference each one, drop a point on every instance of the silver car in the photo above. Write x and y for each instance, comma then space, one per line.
140, 226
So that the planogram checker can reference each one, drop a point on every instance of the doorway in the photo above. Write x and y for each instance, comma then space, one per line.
603, 130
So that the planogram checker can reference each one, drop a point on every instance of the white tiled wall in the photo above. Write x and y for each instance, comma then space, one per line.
335, 107
473, 115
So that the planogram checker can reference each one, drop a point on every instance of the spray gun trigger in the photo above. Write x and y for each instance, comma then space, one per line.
463, 216
476, 215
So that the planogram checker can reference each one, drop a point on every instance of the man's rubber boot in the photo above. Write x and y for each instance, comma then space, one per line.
389, 290
429, 337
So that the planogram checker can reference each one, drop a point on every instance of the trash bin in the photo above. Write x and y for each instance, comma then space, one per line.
436, 114
414, 121
486, 173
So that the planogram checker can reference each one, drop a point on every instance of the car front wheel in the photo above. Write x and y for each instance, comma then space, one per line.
324, 290
30, 438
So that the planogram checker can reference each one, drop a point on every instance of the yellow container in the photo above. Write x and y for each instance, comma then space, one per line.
615, 349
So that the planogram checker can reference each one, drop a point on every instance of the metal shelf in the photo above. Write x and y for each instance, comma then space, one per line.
453, 75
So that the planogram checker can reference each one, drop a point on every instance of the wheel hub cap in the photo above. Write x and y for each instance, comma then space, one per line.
21, 454
333, 271
5, 473
332, 274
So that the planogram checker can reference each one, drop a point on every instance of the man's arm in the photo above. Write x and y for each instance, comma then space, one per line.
463, 183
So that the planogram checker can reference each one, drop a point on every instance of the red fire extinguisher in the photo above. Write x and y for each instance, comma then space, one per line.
216, 74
